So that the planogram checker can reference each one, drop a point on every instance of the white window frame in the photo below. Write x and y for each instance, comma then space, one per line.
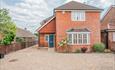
78, 15
81, 33
46, 37
113, 36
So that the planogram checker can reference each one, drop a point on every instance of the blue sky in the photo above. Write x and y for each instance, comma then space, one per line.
29, 13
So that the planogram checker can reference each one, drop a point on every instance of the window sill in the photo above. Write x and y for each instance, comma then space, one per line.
80, 44
78, 20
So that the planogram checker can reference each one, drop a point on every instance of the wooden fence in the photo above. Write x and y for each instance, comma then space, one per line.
5, 49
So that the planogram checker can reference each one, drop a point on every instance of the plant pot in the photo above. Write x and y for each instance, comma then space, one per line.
1, 55
84, 49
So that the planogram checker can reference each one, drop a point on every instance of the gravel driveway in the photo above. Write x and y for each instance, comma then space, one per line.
36, 59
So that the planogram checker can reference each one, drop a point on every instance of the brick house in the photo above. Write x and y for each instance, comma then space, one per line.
108, 28
78, 22
25, 34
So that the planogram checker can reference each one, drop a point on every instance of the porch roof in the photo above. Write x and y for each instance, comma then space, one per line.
108, 30
78, 30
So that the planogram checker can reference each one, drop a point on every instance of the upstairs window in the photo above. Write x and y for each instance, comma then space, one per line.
78, 15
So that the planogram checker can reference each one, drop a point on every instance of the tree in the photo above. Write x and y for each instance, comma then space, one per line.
7, 27
36, 34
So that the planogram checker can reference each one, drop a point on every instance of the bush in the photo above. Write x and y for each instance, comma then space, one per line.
7, 39
19, 39
78, 50
99, 47
84, 49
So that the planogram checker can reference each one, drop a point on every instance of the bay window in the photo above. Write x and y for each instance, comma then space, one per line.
78, 38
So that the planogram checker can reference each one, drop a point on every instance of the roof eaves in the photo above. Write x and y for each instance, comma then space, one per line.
60, 7
45, 24
107, 12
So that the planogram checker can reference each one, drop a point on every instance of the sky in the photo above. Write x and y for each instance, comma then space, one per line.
29, 13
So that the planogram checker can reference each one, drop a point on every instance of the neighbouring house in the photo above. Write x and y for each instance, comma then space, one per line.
23, 39
108, 28
77, 22
25, 36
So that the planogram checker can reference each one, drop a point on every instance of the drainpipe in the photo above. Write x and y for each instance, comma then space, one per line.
107, 39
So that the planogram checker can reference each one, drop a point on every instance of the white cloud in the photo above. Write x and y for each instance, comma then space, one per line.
29, 13
75, 0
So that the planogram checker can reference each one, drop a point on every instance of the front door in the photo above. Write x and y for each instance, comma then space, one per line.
51, 40
105, 39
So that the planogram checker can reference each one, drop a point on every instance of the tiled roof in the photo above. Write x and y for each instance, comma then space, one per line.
78, 30
46, 20
23, 33
110, 11
73, 5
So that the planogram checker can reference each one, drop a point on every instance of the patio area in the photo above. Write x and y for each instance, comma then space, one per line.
33, 58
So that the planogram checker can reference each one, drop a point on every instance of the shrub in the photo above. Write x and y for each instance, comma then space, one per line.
7, 39
99, 47
19, 39
62, 43
84, 49
78, 51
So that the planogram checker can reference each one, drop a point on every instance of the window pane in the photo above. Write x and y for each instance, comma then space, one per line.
46, 38
75, 38
113, 36
70, 38
78, 15
79, 38
85, 38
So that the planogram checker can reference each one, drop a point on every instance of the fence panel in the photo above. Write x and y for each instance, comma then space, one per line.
5, 49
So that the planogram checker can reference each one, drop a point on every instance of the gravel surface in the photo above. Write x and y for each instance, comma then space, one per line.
39, 59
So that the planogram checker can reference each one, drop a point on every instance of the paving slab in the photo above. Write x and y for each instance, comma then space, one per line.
33, 58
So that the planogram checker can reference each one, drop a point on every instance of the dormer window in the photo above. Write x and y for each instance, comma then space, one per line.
78, 15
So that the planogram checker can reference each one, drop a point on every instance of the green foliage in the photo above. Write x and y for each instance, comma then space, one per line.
99, 47
62, 43
7, 27
8, 39
36, 34
18, 39
78, 50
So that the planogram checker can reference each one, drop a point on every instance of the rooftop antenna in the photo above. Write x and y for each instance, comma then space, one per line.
85, 2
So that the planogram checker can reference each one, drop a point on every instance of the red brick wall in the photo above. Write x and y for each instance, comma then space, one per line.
49, 28
111, 43
42, 41
63, 23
